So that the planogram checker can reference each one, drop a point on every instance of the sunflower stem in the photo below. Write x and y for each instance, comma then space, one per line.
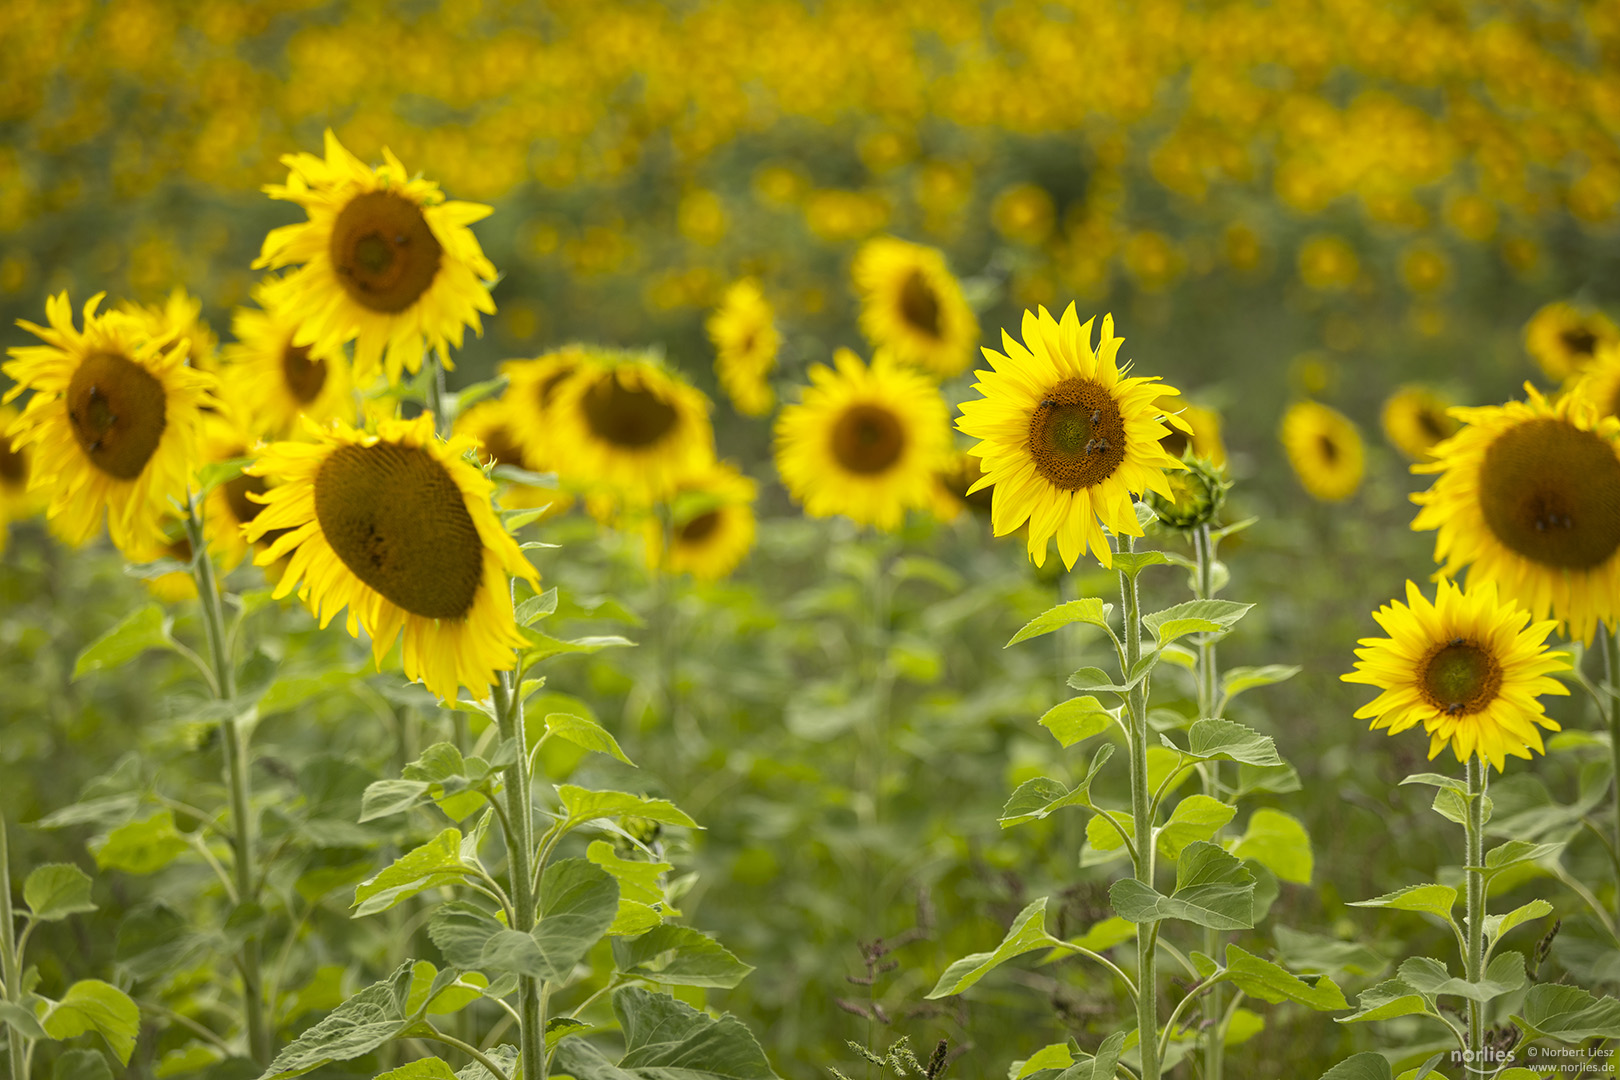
234, 745
10, 959
1147, 1000
519, 855
1611, 687
877, 673
436, 394
1204, 550
1476, 773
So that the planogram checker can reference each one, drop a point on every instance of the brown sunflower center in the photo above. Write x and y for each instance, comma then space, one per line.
1551, 493
1579, 340
244, 509
384, 253
1077, 435
395, 517
13, 464
117, 409
868, 439
1434, 425
919, 304
499, 444
625, 416
548, 386
1327, 448
1175, 444
1460, 677
700, 528
304, 377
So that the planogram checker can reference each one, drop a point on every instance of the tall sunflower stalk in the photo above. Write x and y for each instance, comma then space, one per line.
1204, 545
518, 823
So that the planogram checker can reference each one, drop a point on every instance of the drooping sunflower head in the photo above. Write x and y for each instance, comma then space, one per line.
630, 426
397, 526
493, 424
1324, 448
112, 424
913, 307
1528, 497
177, 319
383, 261
1564, 339
1469, 667
864, 442
711, 524
1417, 419
746, 342
271, 382
1066, 438
1204, 437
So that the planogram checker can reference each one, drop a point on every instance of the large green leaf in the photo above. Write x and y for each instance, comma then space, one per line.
1367, 1066
140, 630
1497, 925
1433, 899
82, 1065
1514, 853
57, 890
1089, 610
1269, 982
428, 1068
581, 805
1195, 818
1028, 932
461, 931
1303, 951
679, 956
1194, 616
92, 1005
1387, 1000
583, 731
1236, 680
1228, 740
1279, 842
667, 1039
141, 847
578, 901
437, 862
1035, 799
358, 1026
1429, 976
1568, 1014
1212, 889
638, 879
1077, 719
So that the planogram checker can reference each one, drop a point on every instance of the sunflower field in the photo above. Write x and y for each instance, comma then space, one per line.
810, 539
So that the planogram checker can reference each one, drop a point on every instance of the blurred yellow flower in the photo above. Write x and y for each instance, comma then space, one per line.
746, 342
711, 524
1563, 338
913, 307
1415, 421
1324, 448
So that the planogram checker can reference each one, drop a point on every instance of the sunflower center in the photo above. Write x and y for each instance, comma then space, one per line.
1579, 340
117, 410
13, 465
384, 253
549, 385
304, 377
868, 439
499, 444
635, 418
700, 528
1175, 443
395, 517
244, 509
1327, 448
1433, 425
1551, 493
1460, 677
919, 304
1076, 434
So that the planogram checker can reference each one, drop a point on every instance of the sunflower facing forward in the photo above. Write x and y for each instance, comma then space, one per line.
711, 527
913, 307
1324, 448
1416, 419
397, 526
112, 424
1529, 494
745, 345
383, 261
1467, 667
1563, 338
1067, 438
272, 382
863, 442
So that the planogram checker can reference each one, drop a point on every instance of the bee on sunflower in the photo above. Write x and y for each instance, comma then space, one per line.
1564, 339
111, 428
864, 442
397, 526
383, 261
1469, 667
746, 342
272, 382
1528, 496
1325, 450
1067, 438
913, 307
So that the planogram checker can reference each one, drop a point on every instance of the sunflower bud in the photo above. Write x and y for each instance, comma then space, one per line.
1200, 492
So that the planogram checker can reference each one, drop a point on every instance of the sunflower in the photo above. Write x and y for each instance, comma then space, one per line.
745, 342
629, 426
953, 487
913, 307
179, 318
1468, 667
1415, 420
397, 526
1324, 448
112, 423
178, 585
16, 501
1067, 438
273, 382
863, 442
492, 423
230, 505
1563, 338
1205, 438
383, 261
1529, 494
712, 524
1600, 384
531, 390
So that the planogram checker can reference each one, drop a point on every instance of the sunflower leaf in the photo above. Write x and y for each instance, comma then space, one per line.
56, 890
1077, 719
145, 629
1568, 1014
585, 732
1132, 563
1195, 818
468, 396
1036, 799
1269, 982
1195, 616
1386, 1001
1432, 899
1498, 925
215, 473
1089, 610
1213, 889
1280, 843
1028, 932
1228, 740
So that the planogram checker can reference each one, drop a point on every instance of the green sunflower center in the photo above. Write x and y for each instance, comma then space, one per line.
1551, 493
1460, 677
868, 439
700, 528
919, 304
1579, 340
13, 464
1077, 435
395, 517
384, 253
117, 409
634, 418
304, 377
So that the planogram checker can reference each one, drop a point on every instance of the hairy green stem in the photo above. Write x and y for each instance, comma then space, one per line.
234, 745
1147, 1001
10, 961
1611, 686
1476, 770
519, 854
1214, 1035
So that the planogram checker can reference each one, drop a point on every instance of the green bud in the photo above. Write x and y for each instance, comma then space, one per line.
1198, 493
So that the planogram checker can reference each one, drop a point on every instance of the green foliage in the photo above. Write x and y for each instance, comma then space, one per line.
57, 890
91, 1005
662, 1034
1213, 889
